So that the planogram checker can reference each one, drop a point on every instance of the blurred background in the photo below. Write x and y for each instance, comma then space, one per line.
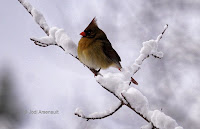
33, 78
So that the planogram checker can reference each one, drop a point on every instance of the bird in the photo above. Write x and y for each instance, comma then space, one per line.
95, 50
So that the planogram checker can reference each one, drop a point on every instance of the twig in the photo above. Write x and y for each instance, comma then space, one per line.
39, 43
157, 40
165, 28
101, 117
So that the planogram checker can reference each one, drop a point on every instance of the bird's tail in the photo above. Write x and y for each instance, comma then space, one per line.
118, 65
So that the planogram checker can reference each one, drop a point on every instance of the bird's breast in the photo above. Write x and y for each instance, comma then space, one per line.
92, 55
84, 52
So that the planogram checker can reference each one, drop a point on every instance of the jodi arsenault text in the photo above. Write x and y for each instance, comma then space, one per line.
42, 112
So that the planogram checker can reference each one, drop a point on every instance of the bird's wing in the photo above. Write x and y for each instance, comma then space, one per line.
110, 52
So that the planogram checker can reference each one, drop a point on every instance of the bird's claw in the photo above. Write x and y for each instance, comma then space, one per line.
96, 72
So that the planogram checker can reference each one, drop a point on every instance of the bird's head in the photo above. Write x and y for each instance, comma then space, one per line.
92, 30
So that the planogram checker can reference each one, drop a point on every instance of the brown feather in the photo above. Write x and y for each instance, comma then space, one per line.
111, 53
95, 50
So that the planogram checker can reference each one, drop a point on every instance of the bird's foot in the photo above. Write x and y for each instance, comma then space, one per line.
96, 72
99, 70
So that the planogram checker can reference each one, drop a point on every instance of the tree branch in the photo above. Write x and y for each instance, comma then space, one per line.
129, 105
39, 43
33, 12
58, 37
102, 115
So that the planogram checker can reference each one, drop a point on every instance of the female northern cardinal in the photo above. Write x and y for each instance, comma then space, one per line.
95, 50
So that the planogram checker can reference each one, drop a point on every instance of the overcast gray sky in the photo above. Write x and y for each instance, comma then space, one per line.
49, 79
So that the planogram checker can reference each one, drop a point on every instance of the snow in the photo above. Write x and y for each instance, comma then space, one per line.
59, 37
38, 17
97, 114
102, 114
148, 126
55, 35
137, 100
62, 39
29, 6
149, 48
139, 60
79, 112
161, 120
117, 83
179, 127
140, 103
166, 26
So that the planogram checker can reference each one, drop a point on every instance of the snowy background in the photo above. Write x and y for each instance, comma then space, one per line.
35, 78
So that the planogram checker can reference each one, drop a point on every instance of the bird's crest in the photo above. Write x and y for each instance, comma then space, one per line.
92, 24
94, 21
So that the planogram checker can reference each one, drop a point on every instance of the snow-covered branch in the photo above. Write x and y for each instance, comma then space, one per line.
55, 36
38, 17
115, 83
149, 48
98, 115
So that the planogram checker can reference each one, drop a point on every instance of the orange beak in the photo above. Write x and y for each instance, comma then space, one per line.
83, 34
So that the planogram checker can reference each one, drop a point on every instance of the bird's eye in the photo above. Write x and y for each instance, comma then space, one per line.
89, 32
